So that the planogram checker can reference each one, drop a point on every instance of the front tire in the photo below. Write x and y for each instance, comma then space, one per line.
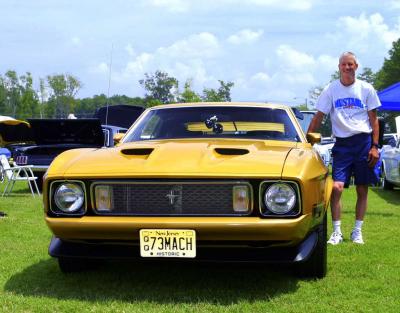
316, 265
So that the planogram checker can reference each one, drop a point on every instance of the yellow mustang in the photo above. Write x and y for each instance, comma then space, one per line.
202, 181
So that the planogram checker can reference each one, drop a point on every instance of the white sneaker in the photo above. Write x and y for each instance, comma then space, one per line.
356, 236
335, 238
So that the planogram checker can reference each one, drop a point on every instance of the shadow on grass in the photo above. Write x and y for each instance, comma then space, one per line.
390, 196
156, 282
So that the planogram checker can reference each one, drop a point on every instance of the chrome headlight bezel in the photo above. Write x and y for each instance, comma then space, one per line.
54, 207
267, 212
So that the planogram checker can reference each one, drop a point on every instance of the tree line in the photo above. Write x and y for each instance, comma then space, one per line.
56, 97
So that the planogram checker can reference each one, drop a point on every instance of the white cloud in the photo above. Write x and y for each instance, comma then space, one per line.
76, 41
245, 36
139, 65
300, 5
293, 60
130, 50
261, 77
395, 4
101, 68
175, 6
181, 6
184, 59
363, 33
203, 45
291, 73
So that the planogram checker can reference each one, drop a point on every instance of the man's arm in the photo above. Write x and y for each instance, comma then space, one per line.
315, 123
373, 155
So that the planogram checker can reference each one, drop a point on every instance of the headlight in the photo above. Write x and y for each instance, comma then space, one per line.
280, 198
69, 197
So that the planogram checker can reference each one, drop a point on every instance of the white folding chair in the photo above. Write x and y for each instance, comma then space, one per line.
17, 173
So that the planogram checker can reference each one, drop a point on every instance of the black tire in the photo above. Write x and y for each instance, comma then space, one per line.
316, 265
39, 181
72, 265
385, 184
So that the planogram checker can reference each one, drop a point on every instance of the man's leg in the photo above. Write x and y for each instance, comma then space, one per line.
336, 204
362, 200
336, 207
361, 208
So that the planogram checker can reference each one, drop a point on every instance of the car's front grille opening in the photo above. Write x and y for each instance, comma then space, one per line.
184, 198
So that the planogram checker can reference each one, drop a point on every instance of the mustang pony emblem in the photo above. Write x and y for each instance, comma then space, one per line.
175, 196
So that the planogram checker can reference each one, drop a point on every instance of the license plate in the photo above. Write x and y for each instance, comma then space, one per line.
167, 243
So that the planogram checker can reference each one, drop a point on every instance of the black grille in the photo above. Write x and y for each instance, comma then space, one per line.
178, 199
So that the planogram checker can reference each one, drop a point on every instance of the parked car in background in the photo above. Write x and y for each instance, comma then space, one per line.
324, 149
390, 168
390, 139
117, 119
219, 181
53, 136
390, 154
38, 141
306, 120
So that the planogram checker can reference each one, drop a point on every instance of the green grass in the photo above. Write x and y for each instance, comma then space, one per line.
360, 278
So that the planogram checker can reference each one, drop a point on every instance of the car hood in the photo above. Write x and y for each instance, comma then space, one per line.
15, 131
67, 131
176, 158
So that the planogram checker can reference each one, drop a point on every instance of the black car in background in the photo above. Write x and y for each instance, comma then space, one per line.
116, 119
38, 141
51, 137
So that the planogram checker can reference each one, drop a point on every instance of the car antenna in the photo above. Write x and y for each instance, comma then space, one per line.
109, 83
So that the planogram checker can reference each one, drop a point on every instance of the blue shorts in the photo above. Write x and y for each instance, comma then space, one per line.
350, 158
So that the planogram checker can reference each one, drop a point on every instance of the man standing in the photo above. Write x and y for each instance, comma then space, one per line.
351, 104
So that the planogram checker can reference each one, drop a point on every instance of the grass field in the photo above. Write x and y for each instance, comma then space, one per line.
360, 278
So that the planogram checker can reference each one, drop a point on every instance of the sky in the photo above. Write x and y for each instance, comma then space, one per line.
273, 50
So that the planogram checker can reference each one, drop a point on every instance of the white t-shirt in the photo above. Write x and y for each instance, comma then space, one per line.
348, 107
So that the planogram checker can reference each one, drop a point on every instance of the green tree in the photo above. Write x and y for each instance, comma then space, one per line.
222, 94
3, 97
389, 74
188, 95
367, 75
159, 86
29, 104
63, 88
13, 92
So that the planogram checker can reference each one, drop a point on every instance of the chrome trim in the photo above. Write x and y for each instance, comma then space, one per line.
51, 196
194, 182
293, 184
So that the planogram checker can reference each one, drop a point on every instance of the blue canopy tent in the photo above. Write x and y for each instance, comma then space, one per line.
390, 98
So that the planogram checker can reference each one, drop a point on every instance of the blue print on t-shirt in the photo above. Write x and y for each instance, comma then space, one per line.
348, 103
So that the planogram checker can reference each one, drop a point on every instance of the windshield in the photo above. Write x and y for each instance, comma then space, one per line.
214, 122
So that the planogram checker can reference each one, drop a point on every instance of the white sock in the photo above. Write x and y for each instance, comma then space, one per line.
336, 227
358, 224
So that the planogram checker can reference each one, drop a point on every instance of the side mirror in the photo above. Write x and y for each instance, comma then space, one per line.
313, 138
117, 137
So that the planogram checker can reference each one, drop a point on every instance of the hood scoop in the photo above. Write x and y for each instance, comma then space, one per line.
231, 151
137, 151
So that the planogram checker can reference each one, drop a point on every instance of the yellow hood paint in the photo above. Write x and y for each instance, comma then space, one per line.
178, 158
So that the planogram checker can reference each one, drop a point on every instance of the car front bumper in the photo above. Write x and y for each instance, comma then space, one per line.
221, 253
118, 228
